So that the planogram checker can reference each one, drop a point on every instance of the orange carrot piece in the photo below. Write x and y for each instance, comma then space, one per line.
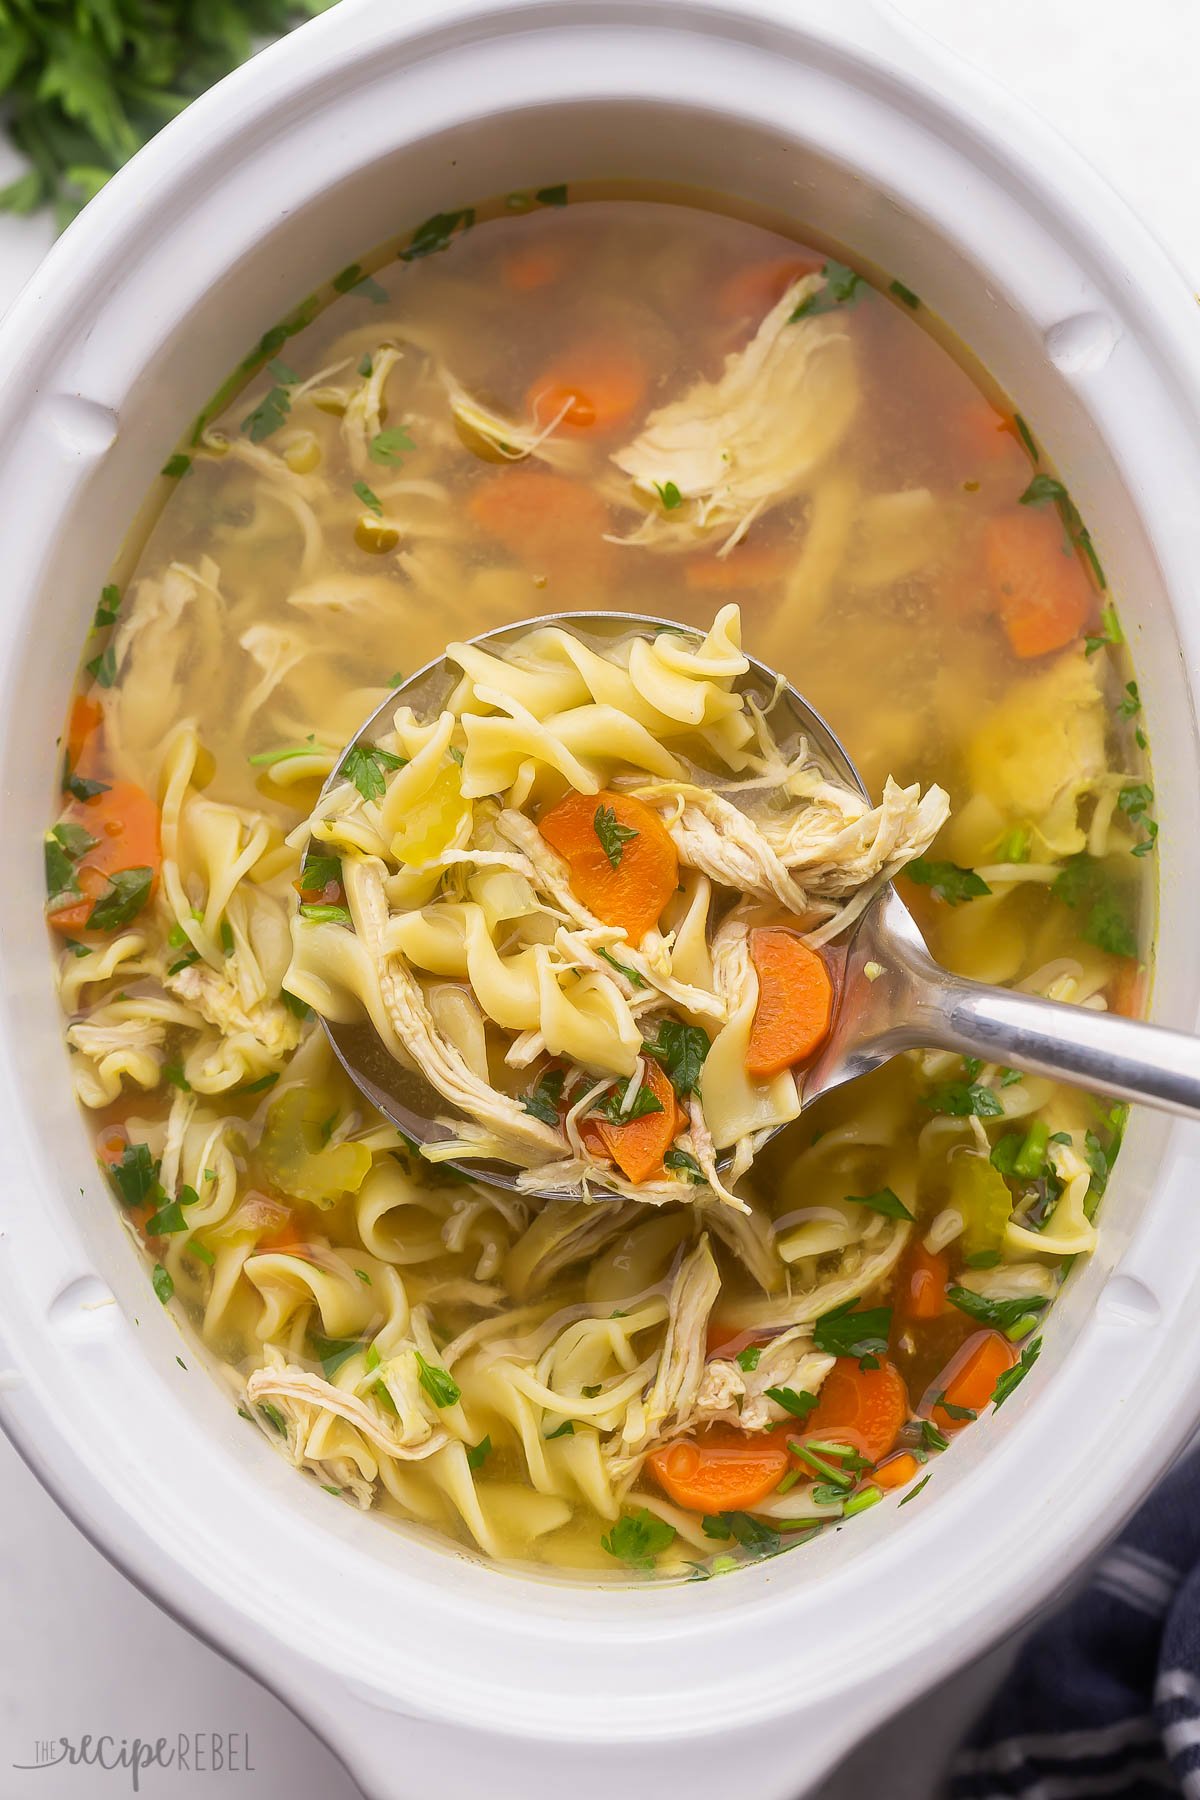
539, 516
124, 821
536, 266
795, 1002
752, 291
600, 387
986, 434
969, 1378
724, 1471
864, 1408
638, 1148
895, 1471
746, 566
87, 716
1040, 590
923, 1285
633, 894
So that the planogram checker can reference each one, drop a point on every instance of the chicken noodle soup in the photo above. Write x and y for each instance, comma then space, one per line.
543, 408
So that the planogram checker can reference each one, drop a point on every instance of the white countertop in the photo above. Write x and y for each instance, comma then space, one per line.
83, 1651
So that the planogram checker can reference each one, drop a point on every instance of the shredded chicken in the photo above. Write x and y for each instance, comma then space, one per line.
215, 997
735, 446
667, 1407
739, 1396
299, 1395
432, 1054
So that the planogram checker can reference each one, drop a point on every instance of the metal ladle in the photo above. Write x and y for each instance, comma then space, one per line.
890, 993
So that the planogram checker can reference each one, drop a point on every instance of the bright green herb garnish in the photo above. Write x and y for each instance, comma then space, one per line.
612, 835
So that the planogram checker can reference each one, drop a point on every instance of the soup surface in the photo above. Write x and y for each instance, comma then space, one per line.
546, 408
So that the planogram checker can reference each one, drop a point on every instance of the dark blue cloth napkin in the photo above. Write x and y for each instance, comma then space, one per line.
1104, 1700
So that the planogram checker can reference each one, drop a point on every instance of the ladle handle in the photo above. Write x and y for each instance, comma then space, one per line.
1098, 1050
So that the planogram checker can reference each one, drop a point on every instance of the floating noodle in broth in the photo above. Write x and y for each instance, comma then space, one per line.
499, 423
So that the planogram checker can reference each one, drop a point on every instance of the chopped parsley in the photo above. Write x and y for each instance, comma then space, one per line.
1131, 705
365, 365
438, 1383
127, 892
947, 881
552, 196
365, 766
637, 1538
844, 1332
388, 447
965, 1413
613, 1108
904, 293
273, 409
963, 1100
1110, 632
274, 1417
173, 1072
352, 280
542, 1101
747, 1359
436, 233
300, 1009
81, 787
161, 1281
566, 1429
266, 759
135, 1176
932, 1438
913, 1492
884, 1201
1003, 1314
369, 498
1043, 487
319, 873
752, 1534
331, 1353
681, 1049
477, 1454
685, 1164
669, 494
613, 836
631, 975
176, 466
798, 1404
103, 668
842, 287
1012, 1378
1084, 885
107, 607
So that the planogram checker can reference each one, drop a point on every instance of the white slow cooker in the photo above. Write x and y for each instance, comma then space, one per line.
424, 1670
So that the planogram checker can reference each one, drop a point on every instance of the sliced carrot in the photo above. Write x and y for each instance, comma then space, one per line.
638, 1148
752, 291
923, 1284
83, 728
894, 1471
1127, 988
537, 266
124, 821
746, 566
969, 1378
864, 1408
287, 1239
539, 516
795, 1002
724, 1471
986, 434
599, 386
1040, 590
633, 893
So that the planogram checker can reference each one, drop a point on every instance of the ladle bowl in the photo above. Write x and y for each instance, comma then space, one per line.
890, 994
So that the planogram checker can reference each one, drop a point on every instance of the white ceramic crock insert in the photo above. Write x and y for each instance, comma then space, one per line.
427, 1671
